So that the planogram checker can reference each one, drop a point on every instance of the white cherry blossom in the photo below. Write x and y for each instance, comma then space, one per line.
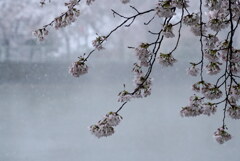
113, 118
191, 19
193, 70
124, 96
213, 68
97, 43
167, 59
234, 112
78, 68
143, 54
209, 109
196, 29
222, 136
165, 9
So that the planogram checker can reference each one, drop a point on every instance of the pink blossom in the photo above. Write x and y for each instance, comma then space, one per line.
166, 59
78, 68
222, 136
193, 70
234, 112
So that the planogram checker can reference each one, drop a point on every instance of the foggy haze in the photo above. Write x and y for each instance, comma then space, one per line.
45, 112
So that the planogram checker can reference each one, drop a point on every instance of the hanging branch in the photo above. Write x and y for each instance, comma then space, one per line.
217, 55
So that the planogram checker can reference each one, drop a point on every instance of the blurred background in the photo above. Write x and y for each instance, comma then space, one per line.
45, 112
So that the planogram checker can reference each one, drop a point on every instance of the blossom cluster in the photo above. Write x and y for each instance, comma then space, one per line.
105, 127
219, 10
59, 22
234, 112
40, 33
67, 18
167, 8
197, 107
208, 90
143, 54
124, 96
235, 93
191, 19
167, 31
217, 16
234, 109
97, 43
193, 70
72, 3
222, 136
142, 83
211, 41
213, 67
217, 21
166, 59
78, 68
216, 51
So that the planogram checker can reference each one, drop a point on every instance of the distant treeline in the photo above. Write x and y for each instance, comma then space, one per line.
53, 72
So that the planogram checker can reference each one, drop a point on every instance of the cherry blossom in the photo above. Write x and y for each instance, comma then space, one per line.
213, 4
217, 20
193, 70
209, 108
101, 130
213, 68
235, 58
165, 9
211, 41
143, 54
41, 33
78, 68
166, 59
235, 92
124, 96
212, 93
211, 55
181, 3
194, 109
191, 19
113, 119
190, 112
143, 85
195, 101
104, 127
167, 31
196, 29
66, 19
224, 50
222, 136
97, 43
234, 112
235, 68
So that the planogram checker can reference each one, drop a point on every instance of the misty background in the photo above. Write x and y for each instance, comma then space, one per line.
45, 112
